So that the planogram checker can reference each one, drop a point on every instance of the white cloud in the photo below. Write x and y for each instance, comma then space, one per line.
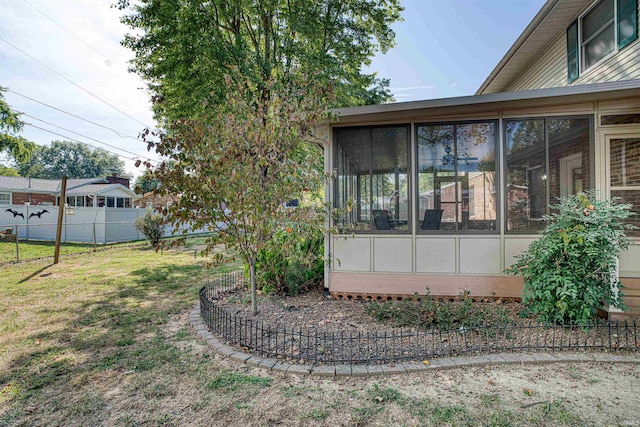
411, 88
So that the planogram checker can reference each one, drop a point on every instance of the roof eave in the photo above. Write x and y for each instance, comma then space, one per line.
597, 91
540, 16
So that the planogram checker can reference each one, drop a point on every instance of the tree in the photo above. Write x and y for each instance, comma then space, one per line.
146, 183
10, 128
8, 171
73, 159
236, 167
184, 49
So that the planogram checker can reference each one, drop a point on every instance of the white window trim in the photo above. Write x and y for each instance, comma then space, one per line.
583, 70
10, 198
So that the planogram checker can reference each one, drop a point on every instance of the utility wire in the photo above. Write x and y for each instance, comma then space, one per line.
109, 60
84, 136
74, 83
81, 142
76, 116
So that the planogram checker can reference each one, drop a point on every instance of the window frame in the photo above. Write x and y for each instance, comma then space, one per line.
10, 198
498, 179
505, 164
574, 45
410, 184
613, 22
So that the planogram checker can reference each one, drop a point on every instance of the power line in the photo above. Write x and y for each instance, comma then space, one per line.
74, 83
84, 136
74, 115
81, 142
109, 60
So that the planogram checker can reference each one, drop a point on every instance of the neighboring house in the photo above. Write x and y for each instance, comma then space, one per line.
559, 114
151, 200
111, 192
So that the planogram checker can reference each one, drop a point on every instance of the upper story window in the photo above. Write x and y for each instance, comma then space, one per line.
608, 26
5, 198
597, 35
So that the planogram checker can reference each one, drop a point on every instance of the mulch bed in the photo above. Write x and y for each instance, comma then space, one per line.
313, 327
313, 310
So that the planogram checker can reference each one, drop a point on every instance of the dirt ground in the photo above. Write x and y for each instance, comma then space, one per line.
112, 346
586, 393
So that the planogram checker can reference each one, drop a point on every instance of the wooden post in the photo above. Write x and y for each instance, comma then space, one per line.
17, 247
61, 207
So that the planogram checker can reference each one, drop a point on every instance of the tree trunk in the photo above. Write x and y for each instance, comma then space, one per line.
254, 297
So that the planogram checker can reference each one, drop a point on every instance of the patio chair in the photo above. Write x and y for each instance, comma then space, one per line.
432, 219
381, 219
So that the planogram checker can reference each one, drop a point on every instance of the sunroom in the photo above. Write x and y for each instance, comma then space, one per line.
443, 194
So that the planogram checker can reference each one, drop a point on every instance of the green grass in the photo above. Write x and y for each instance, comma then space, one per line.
103, 339
30, 250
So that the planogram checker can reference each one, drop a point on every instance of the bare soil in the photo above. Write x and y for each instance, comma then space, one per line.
313, 309
103, 339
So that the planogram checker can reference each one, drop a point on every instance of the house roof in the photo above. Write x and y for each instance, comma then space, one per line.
46, 186
489, 102
98, 189
554, 17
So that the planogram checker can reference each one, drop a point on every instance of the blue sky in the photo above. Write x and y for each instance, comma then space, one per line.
444, 48
447, 48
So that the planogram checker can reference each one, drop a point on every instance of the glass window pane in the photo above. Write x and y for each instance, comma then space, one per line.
353, 164
624, 176
390, 177
597, 18
632, 197
525, 174
120, 202
475, 143
372, 183
598, 47
110, 202
436, 177
620, 119
569, 157
89, 201
101, 201
624, 158
5, 198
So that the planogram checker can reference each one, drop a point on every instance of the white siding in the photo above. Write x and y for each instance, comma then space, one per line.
549, 69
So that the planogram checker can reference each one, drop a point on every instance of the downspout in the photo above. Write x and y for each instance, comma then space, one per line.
328, 193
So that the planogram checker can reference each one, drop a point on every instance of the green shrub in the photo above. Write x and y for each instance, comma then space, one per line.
570, 271
424, 312
151, 226
290, 261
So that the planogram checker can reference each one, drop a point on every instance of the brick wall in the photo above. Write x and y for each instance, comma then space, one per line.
33, 198
118, 180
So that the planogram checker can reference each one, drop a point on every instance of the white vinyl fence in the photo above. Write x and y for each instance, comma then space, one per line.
80, 224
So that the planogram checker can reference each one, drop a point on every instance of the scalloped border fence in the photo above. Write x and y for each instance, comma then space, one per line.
290, 342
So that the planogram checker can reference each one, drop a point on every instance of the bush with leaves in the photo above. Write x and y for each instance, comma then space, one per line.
151, 225
423, 311
571, 271
290, 261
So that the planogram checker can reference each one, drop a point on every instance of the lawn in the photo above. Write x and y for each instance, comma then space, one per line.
29, 250
103, 339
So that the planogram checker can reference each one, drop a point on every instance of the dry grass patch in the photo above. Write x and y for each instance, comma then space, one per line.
107, 342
